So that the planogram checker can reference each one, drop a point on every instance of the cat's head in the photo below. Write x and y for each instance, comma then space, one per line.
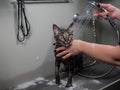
63, 37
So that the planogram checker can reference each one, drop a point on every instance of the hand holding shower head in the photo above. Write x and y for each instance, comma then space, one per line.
97, 6
110, 19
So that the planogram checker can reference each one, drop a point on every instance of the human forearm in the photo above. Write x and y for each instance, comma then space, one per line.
105, 53
117, 13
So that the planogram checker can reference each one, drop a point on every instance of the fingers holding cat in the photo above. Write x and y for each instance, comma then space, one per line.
65, 52
74, 49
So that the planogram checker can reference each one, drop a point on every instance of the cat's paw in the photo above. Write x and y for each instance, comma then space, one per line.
69, 85
57, 81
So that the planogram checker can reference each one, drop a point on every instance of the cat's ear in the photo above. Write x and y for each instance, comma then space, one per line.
56, 29
70, 27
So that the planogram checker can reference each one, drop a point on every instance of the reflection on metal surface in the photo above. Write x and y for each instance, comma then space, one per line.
112, 86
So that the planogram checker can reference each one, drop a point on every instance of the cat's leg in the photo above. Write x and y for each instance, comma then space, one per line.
64, 68
57, 71
70, 75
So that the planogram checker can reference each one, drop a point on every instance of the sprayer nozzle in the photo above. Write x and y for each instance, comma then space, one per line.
95, 4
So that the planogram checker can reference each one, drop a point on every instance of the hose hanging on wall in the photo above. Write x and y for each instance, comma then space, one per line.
23, 23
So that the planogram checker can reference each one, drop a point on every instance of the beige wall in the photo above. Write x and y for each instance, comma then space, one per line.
19, 63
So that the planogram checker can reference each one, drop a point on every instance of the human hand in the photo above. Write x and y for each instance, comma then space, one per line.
74, 49
111, 10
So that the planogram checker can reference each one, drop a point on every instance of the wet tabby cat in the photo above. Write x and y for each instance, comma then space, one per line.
63, 37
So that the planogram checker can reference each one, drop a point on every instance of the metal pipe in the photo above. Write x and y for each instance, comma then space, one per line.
46, 1
43, 1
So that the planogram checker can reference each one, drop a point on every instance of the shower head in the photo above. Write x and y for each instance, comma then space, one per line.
95, 4
76, 17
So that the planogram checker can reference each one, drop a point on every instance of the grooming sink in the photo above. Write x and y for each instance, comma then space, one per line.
79, 83
111, 82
